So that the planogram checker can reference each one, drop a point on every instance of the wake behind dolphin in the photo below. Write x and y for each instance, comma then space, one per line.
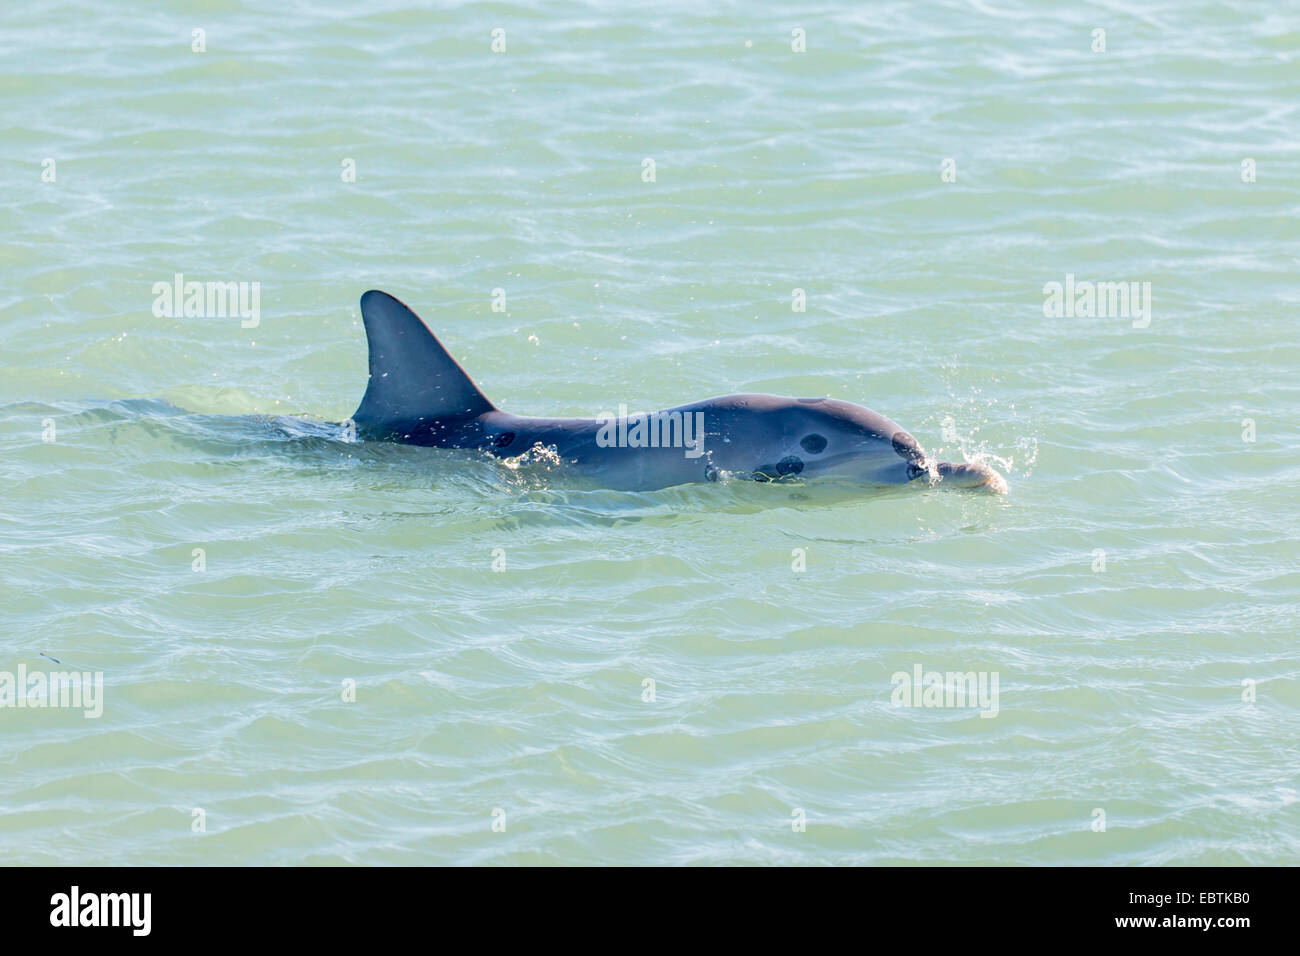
418, 394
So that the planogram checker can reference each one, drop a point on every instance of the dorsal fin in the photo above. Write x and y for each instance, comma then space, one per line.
413, 379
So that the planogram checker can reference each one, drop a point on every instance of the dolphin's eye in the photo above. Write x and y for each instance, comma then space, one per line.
504, 439
915, 471
813, 444
789, 465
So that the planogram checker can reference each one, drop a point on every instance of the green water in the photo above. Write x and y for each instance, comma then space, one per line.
1143, 566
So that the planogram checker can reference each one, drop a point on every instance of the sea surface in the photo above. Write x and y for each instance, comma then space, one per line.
316, 651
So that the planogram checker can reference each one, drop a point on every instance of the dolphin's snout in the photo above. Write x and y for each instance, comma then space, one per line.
906, 447
973, 476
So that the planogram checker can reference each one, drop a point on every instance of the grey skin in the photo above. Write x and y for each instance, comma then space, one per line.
419, 395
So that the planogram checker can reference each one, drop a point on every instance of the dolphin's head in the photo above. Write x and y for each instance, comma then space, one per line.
827, 436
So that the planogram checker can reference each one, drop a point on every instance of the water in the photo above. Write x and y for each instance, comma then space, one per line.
521, 691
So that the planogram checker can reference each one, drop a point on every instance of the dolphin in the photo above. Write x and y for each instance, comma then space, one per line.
418, 394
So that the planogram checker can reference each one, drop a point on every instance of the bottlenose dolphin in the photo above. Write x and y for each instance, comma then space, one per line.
419, 394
